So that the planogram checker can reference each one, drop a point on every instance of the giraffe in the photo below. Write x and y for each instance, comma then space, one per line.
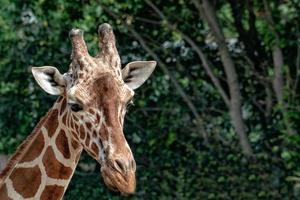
88, 115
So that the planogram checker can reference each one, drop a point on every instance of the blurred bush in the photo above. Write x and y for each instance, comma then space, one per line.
174, 161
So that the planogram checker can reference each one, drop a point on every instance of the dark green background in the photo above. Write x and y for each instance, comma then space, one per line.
173, 160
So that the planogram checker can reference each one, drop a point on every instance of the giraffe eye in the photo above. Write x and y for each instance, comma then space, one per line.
75, 107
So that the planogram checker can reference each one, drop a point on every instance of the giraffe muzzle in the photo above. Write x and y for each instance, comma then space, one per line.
119, 176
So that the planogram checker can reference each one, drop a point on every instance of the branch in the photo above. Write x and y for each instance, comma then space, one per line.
297, 66
278, 68
206, 64
277, 56
266, 83
210, 19
209, 16
142, 19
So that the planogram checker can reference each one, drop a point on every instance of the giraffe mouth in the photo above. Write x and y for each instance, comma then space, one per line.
117, 182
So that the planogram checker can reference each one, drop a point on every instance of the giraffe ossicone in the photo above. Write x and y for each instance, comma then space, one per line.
88, 115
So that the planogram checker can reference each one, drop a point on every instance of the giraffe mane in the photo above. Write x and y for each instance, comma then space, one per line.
21, 150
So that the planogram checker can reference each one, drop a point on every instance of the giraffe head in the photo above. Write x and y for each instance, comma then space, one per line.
96, 92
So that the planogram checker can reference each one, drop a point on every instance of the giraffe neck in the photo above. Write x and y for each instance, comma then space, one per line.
43, 165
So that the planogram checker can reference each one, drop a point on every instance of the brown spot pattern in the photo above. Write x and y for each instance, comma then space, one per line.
91, 111
87, 140
73, 124
94, 134
54, 168
97, 118
51, 127
75, 144
70, 120
52, 192
26, 181
35, 148
88, 125
82, 132
75, 135
64, 119
76, 126
62, 144
95, 149
59, 99
75, 118
63, 106
3, 193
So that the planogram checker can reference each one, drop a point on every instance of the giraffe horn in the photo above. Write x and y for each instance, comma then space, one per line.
107, 43
79, 47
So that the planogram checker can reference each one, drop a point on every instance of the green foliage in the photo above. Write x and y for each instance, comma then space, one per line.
173, 160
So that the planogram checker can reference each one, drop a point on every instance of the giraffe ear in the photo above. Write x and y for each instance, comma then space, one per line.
136, 73
50, 79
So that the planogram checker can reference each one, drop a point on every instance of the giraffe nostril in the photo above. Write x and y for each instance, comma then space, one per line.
120, 165
133, 165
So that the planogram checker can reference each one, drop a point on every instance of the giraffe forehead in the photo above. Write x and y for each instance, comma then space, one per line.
85, 77
101, 88
106, 85
88, 68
